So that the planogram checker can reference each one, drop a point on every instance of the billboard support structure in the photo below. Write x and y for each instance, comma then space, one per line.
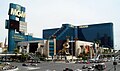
15, 12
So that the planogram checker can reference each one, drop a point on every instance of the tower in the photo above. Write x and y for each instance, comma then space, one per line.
16, 23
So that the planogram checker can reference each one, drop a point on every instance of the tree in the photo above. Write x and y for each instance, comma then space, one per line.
24, 57
16, 50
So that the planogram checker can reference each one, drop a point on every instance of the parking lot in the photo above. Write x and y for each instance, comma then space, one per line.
58, 66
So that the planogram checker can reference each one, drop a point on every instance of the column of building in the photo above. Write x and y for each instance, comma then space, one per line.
47, 48
54, 40
67, 43
76, 49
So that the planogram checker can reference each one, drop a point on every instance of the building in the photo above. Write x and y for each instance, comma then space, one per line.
31, 46
68, 38
101, 34
43, 47
17, 27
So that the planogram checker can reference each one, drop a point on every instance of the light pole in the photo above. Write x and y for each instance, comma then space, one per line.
114, 63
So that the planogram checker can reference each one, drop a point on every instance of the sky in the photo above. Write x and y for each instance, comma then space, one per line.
47, 14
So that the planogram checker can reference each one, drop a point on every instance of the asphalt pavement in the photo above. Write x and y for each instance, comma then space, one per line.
59, 66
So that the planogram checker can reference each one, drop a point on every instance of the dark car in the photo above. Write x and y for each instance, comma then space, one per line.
67, 69
84, 67
93, 65
25, 64
100, 66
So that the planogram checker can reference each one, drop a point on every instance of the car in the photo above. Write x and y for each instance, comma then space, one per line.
9, 68
78, 70
25, 64
6, 63
93, 65
87, 62
105, 60
101, 66
33, 64
78, 62
67, 69
67, 61
90, 68
84, 67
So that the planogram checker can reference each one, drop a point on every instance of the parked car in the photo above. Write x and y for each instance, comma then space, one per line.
90, 68
78, 70
84, 67
33, 64
78, 62
25, 64
101, 66
93, 65
6, 63
67, 69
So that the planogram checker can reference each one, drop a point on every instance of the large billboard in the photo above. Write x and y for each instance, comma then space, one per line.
16, 29
19, 26
23, 27
14, 24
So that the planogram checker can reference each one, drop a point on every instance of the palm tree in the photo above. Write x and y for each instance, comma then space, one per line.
24, 57
16, 50
5, 51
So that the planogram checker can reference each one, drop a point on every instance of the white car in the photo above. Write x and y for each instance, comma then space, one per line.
90, 68
33, 64
78, 70
6, 63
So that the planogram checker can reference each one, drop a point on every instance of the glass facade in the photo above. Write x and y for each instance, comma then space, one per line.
99, 33
51, 48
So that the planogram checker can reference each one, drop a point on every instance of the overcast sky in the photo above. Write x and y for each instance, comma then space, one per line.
47, 14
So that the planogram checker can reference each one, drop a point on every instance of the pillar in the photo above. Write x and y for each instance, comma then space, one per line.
27, 47
47, 48
91, 52
76, 53
54, 40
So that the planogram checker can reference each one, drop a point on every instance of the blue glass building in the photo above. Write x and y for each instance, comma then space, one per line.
102, 33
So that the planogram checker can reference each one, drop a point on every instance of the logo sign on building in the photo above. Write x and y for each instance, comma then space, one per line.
23, 26
17, 10
83, 26
18, 37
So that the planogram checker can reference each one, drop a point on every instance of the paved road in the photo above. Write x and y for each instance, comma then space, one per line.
51, 66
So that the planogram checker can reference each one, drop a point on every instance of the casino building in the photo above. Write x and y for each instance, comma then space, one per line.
68, 39
100, 34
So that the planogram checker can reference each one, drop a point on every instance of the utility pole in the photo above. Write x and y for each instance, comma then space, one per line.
114, 63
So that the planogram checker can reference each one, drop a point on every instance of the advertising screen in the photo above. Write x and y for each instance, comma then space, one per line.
23, 27
14, 24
